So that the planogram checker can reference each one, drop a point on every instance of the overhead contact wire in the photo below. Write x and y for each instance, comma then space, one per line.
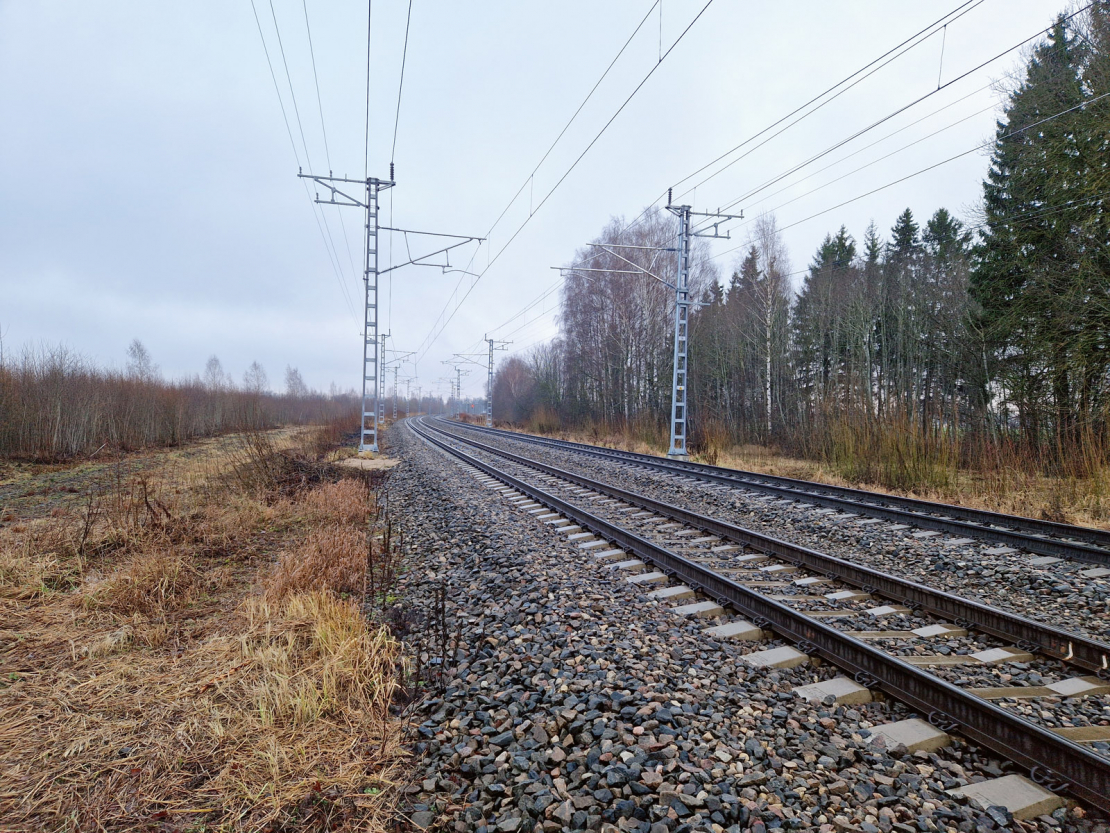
427, 345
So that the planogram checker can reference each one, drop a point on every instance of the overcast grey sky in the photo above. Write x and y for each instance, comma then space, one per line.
149, 186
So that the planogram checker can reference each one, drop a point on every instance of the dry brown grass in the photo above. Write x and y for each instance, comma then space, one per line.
333, 559
155, 677
151, 584
282, 716
345, 502
334, 556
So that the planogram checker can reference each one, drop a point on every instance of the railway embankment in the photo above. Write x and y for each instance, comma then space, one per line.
560, 696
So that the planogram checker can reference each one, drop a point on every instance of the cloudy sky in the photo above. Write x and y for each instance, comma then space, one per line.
149, 178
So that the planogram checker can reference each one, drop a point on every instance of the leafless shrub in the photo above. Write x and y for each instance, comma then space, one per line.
56, 405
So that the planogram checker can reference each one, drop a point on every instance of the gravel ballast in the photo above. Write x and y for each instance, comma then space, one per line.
1056, 593
567, 700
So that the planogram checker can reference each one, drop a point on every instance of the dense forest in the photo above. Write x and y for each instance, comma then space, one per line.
902, 354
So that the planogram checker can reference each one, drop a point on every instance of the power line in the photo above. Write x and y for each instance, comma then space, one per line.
962, 9
1030, 214
400, 86
589, 95
392, 154
324, 129
959, 11
528, 346
953, 15
289, 81
332, 259
530, 179
802, 107
539, 299
528, 306
1053, 209
934, 166
884, 119
864, 166
277, 88
300, 127
433, 335
529, 323
888, 136
316, 78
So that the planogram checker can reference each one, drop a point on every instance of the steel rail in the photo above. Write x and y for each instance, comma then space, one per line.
1043, 537
1052, 761
1035, 637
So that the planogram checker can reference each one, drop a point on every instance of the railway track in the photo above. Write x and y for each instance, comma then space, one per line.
714, 567
1045, 538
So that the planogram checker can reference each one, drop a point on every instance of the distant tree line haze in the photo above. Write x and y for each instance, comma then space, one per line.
901, 355
55, 404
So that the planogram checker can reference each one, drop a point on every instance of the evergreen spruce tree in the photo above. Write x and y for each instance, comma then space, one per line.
1042, 276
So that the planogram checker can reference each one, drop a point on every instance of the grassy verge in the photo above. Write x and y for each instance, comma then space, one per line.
185, 646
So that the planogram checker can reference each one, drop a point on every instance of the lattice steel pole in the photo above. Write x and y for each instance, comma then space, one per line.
681, 335
682, 304
458, 387
395, 369
493, 345
368, 432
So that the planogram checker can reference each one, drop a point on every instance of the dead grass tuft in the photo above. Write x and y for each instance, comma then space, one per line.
319, 658
37, 559
344, 502
21, 577
151, 584
333, 558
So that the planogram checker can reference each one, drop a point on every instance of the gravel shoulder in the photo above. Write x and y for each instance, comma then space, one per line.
560, 698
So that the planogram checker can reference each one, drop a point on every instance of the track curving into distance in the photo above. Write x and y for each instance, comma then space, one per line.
1052, 760
1043, 537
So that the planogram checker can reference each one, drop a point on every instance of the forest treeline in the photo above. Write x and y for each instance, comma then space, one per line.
902, 355
56, 404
